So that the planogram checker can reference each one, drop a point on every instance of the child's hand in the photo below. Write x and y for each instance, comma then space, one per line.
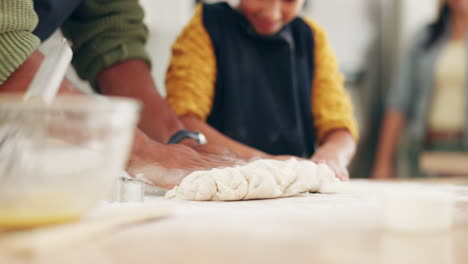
330, 155
336, 151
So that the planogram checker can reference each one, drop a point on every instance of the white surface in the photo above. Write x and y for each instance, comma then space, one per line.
260, 179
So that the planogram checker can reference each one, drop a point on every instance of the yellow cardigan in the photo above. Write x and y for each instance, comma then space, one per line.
191, 79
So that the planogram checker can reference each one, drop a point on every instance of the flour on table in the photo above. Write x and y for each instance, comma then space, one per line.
260, 179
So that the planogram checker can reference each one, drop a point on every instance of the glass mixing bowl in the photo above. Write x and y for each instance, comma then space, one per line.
58, 161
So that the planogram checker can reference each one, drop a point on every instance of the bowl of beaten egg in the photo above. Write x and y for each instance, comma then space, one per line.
58, 161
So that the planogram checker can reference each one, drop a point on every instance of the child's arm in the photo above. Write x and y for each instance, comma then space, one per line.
332, 109
336, 151
215, 138
392, 126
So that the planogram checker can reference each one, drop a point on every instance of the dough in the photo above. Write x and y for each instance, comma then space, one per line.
260, 179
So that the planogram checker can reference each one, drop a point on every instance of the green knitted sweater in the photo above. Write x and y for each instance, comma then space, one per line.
103, 34
17, 21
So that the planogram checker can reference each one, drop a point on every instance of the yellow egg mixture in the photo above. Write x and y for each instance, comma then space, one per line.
39, 209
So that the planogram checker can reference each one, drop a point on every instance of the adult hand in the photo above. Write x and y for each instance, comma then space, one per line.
166, 165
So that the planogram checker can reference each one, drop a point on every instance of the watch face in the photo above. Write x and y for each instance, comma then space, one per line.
201, 138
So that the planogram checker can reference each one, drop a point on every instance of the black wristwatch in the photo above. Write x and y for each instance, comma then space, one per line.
183, 134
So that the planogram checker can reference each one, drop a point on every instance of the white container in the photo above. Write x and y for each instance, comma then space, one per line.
418, 210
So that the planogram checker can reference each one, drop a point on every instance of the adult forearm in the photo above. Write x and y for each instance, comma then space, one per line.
20, 80
105, 33
17, 43
132, 78
392, 126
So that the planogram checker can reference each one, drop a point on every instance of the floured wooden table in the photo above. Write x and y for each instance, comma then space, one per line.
312, 228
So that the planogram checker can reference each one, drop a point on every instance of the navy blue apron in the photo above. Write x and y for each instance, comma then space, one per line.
263, 85
52, 14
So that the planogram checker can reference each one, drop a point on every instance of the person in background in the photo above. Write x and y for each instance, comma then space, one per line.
262, 81
108, 41
429, 99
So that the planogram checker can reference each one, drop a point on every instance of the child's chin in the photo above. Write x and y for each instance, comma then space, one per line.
266, 32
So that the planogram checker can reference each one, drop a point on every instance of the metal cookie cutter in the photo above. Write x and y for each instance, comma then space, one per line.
127, 189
